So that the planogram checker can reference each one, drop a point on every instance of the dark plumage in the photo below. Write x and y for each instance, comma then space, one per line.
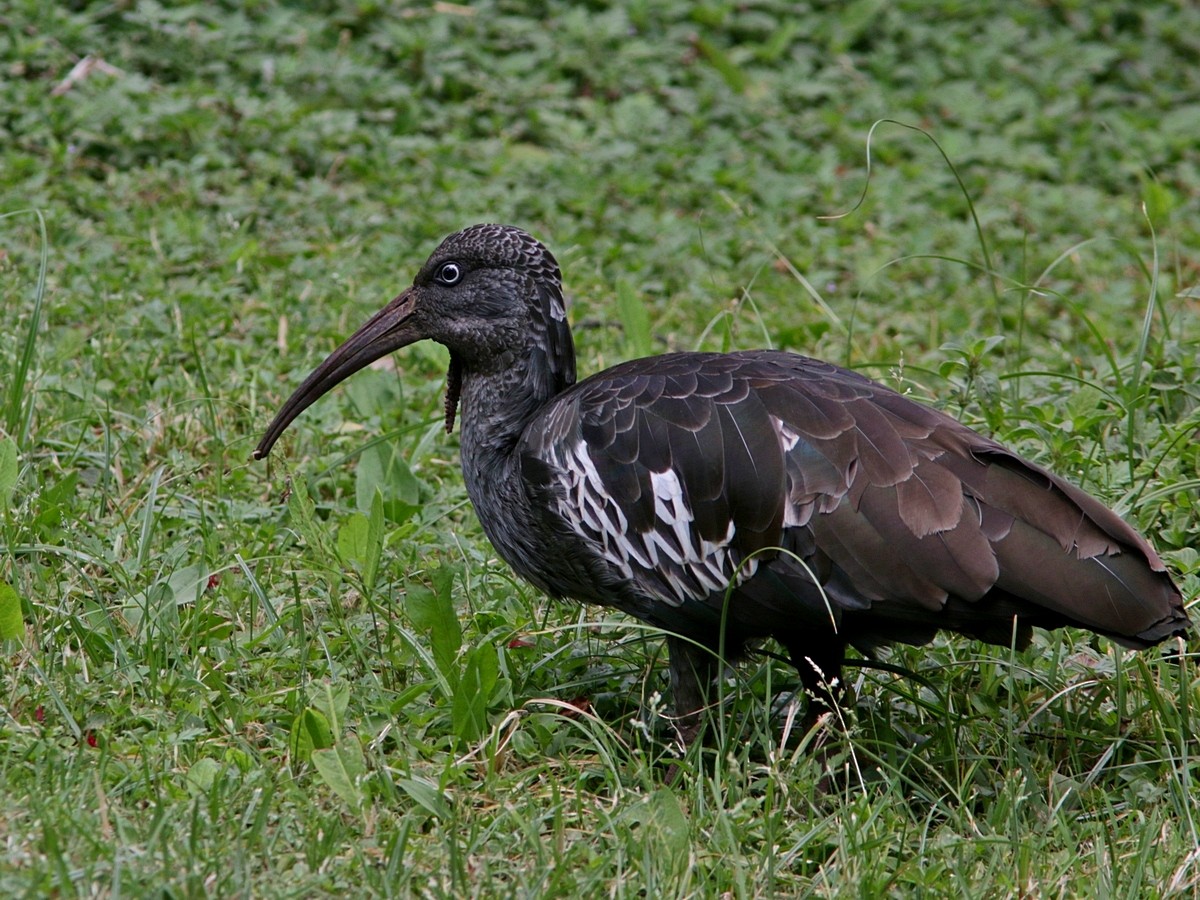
779, 495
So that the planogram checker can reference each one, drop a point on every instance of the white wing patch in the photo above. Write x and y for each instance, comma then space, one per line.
794, 516
669, 561
788, 437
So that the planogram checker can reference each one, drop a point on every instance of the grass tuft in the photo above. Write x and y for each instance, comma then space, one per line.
314, 677
18, 407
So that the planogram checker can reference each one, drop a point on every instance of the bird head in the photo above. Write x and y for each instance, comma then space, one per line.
492, 294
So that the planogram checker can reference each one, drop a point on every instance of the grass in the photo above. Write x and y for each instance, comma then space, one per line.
314, 677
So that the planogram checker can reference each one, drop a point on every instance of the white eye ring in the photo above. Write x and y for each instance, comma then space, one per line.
449, 273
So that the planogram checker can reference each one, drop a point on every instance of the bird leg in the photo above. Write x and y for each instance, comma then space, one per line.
692, 671
821, 675
694, 667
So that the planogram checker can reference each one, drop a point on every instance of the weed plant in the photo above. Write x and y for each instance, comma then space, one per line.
314, 677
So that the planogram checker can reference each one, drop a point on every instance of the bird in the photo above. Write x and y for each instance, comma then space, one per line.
733, 498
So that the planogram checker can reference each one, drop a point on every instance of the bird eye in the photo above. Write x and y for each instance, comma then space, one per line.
449, 273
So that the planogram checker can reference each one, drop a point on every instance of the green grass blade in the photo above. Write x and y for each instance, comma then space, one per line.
18, 407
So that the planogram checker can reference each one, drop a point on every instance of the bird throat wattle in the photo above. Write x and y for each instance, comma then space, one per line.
453, 389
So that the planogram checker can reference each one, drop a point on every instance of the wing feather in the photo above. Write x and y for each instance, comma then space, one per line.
696, 470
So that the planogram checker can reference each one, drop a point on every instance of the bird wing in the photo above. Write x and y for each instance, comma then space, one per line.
806, 495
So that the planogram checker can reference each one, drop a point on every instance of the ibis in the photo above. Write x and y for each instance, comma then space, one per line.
730, 498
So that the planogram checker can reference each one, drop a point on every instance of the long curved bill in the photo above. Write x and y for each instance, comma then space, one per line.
389, 329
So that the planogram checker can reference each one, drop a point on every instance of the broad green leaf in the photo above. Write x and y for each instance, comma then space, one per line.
342, 767
662, 828
375, 534
1084, 400
382, 467
12, 623
157, 607
360, 541
373, 393
352, 540
55, 501
202, 775
433, 613
427, 796
310, 732
1186, 559
236, 756
331, 700
468, 711
669, 820
204, 625
188, 583
8, 468
317, 726
299, 743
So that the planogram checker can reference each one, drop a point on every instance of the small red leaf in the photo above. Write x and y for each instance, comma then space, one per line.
582, 705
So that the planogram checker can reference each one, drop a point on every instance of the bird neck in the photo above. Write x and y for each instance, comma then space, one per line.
498, 403
497, 407
503, 378
499, 398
